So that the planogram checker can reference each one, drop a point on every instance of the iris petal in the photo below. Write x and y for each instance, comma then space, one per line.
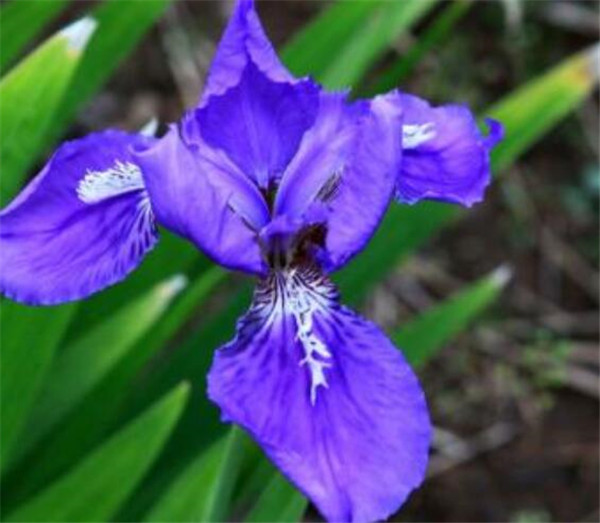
198, 193
446, 158
83, 223
348, 162
328, 397
259, 123
367, 184
244, 40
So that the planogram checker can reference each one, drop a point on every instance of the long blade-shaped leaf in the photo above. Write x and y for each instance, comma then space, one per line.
313, 50
185, 499
121, 25
30, 98
95, 488
98, 413
439, 29
540, 104
84, 363
213, 473
422, 338
219, 494
341, 44
279, 501
28, 339
375, 34
20, 22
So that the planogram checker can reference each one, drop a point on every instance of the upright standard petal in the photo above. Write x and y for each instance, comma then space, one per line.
259, 123
328, 397
198, 193
82, 224
348, 162
244, 40
446, 158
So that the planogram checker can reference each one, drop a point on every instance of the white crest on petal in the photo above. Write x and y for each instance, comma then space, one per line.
303, 295
121, 178
299, 293
414, 135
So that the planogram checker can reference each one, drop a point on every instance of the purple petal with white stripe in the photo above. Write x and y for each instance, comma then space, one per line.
328, 397
84, 223
446, 158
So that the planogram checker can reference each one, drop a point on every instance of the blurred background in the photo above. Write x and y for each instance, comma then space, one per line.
511, 364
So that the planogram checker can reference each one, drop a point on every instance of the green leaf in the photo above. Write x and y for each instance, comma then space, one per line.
30, 97
185, 498
374, 36
213, 473
313, 49
20, 22
200, 424
433, 35
422, 338
339, 46
219, 494
98, 413
540, 104
29, 337
121, 25
95, 488
84, 363
279, 501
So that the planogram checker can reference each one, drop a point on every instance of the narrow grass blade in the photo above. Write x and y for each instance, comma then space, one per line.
185, 499
20, 22
540, 104
28, 340
121, 25
95, 488
432, 36
425, 336
200, 425
344, 41
30, 98
98, 412
279, 501
218, 496
313, 50
371, 39
213, 473
84, 364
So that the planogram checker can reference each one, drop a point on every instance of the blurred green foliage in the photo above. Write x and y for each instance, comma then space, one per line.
91, 430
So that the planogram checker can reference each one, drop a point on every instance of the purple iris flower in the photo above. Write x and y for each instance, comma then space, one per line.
273, 176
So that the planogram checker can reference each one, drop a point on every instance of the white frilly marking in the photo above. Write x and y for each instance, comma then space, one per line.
416, 134
121, 178
302, 305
